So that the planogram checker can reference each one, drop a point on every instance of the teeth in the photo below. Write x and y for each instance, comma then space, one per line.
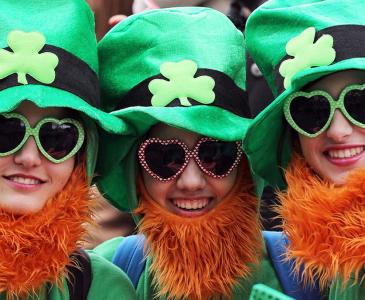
345, 153
191, 204
23, 180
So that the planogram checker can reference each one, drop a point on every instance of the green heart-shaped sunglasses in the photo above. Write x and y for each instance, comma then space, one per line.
57, 140
311, 113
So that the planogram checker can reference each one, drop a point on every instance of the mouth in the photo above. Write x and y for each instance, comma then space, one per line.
189, 207
24, 180
344, 155
191, 204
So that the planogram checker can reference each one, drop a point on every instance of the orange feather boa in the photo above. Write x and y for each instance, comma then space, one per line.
324, 223
203, 257
35, 249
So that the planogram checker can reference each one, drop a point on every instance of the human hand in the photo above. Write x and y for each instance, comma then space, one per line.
114, 20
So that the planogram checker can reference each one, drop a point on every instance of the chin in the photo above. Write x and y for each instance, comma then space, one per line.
21, 209
337, 178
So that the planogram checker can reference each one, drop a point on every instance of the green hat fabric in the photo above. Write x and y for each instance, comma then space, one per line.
48, 55
171, 66
294, 43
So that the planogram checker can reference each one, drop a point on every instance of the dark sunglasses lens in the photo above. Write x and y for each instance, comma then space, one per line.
217, 156
354, 103
58, 140
12, 132
164, 160
310, 114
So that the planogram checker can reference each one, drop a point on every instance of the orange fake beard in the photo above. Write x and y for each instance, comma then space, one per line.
325, 224
202, 257
35, 248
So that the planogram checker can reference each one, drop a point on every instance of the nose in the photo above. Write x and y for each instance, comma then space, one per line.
340, 128
192, 179
29, 156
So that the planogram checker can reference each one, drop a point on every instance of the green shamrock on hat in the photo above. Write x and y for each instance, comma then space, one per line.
182, 85
26, 59
307, 54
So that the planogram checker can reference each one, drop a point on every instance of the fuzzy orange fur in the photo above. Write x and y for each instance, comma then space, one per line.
35, 248
324, 223
203, 257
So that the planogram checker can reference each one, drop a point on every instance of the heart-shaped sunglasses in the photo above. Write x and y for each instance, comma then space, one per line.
166, 159
311, 113
57, 140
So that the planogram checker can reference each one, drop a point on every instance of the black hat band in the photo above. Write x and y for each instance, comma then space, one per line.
348, 42
72, 75
227, 94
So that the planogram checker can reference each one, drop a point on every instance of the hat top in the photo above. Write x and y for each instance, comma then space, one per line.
177, 44
303, 33
67, 24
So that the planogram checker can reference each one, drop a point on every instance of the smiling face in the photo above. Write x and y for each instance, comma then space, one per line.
339, 149
27, 178
192, 193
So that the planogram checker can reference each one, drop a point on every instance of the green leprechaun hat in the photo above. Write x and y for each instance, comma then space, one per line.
294, 43
171, 66
49, 57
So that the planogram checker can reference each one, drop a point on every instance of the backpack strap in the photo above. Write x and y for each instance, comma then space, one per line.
130, 257
79, 276
276, 243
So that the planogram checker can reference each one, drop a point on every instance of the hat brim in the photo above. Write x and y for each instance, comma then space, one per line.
46, 96
264, 144
205, 120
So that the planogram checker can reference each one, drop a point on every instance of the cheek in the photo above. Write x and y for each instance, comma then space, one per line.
6, 161
224, 185
156, 189
310, 147
60, 174
361, 132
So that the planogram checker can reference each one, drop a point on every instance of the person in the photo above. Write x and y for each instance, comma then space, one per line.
314, 130
180, 169
48, 139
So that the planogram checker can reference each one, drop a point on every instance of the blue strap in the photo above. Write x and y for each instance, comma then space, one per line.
130, 257
276, 243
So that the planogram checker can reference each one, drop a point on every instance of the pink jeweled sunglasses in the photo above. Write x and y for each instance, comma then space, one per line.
166, 159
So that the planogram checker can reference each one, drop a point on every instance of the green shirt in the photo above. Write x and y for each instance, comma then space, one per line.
108, 282
350, 292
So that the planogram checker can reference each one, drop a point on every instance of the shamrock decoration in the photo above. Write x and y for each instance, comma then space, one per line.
182, 85
306, 54
25, 58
